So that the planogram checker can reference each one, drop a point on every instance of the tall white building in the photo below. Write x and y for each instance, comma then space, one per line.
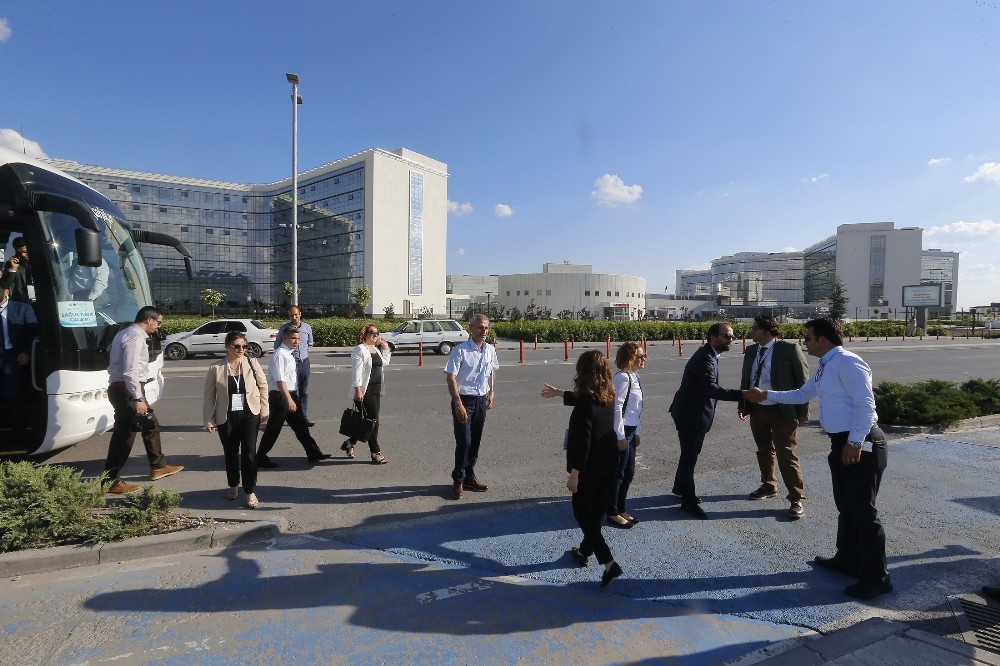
376, 218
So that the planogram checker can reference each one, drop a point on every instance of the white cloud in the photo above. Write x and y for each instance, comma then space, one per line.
461, 251
982, 231
503, 210
610, 190
4, 30
816, 179
459, 209
988, 171
938, 161
13, 140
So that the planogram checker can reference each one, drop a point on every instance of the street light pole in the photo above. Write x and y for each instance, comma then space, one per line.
296, 100
488, 313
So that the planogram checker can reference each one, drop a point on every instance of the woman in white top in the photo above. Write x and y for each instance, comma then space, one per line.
367, 361
628, 409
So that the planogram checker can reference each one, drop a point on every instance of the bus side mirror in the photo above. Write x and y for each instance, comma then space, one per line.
88, 247
189, 265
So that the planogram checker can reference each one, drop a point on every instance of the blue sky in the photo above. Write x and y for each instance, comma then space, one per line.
639, 137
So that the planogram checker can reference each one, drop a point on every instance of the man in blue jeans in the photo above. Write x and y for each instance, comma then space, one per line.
470, 373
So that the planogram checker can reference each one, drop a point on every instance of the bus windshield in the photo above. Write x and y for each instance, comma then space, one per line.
95, 297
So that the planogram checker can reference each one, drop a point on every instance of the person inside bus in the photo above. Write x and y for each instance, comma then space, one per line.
19, 269
87, 283
17, 330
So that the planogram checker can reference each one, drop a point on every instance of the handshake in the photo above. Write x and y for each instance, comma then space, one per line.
754, 395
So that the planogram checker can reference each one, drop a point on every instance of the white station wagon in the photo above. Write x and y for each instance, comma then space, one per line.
441, 335
210, 338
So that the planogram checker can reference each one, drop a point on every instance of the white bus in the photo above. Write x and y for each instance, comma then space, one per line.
88, 281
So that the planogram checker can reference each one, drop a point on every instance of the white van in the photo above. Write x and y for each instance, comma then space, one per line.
441, 335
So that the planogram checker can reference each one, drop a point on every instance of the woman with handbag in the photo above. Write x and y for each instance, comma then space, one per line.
592, 457
630, 359
235, 406
367, 361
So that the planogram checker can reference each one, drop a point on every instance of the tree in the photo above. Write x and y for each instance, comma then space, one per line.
390, 311
564, 314
361, 296
838, 300
287, 289
212, 298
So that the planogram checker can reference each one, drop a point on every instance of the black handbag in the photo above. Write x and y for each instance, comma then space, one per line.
356, 425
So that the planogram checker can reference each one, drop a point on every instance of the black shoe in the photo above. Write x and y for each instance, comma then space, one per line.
321, 456
266, 463
677, 493
578, 555
991, 592
610, 574
695, 511
838, 563
869, 590
309, 424
627, 525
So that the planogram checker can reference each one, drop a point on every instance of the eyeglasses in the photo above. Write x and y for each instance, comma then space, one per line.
727, 336
238, 347
372, 333
807, 339
641, 357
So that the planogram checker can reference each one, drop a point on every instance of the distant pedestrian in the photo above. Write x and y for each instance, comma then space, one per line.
368, 359
283, 400
913, 326
235, 405
779, 365
303, 366
592, 458
470, 373
128, 373
843, 384
693, 411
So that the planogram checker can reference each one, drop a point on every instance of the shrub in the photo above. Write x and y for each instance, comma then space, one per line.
930, 402
985, 393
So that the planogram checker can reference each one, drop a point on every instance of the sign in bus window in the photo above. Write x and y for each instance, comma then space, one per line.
77, 314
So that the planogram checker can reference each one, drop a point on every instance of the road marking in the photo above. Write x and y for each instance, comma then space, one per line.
454, 591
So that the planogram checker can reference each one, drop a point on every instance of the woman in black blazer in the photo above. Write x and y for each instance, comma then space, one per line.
592, 457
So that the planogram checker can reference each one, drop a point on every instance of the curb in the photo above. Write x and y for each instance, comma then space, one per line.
223, 535
976, 423
885, 639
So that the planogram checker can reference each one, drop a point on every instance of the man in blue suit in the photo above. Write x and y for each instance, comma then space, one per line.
693, 410
17, 329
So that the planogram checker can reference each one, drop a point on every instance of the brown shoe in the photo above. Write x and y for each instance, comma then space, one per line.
119, 487
456, 490
166, 470
475, 485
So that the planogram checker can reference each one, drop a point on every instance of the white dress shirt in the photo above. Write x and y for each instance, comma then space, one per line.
843, 383
130, 360
281, 368
633, 409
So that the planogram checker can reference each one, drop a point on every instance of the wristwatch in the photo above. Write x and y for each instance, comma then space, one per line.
855, 445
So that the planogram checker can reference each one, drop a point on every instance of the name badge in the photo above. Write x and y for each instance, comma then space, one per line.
236, 403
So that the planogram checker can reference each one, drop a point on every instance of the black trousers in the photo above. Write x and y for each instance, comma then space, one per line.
860, 537
297, 422
691, 439
468, 436
589, 504
122, 436
372, 403
239, 446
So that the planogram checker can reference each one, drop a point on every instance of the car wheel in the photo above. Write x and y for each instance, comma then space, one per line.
444, 348
175, 351
254, 350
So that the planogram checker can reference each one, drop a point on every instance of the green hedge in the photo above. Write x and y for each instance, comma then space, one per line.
936, 402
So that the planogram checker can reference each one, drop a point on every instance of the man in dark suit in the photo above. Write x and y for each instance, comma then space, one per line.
781, 366
18, 272
693, 410
17, 329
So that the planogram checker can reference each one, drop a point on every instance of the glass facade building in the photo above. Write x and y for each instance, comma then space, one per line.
241, 235
937, 267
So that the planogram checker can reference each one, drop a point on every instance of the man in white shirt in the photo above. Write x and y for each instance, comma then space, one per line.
470, 373
283, 399
128, 373
301, 355
843, 384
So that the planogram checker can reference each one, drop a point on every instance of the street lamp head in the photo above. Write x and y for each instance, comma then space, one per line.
292, 78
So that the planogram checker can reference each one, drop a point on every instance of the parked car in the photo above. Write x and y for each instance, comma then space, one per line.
441, 335
210, 338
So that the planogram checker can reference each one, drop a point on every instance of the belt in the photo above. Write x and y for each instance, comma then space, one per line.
122, 384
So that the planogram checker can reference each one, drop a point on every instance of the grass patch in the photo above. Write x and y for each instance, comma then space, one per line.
43, 506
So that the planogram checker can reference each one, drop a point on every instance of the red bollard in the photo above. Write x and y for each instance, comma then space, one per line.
868, 337
609, 346
565, 350
536, 341
521, 360
680, 347
744, 344
420, 353
645, 345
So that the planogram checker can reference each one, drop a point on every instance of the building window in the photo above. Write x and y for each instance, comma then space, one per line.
586, 293
162, 209
184, 194
244, 200
112, 186
609, 293
210, 231
136, 189
226, 232
616, 293
518, 292
548, 292
135, 206
185, 228
225, 198
416, 234
508, 293
538, 293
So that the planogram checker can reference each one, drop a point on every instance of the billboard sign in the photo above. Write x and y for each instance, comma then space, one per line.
923, 295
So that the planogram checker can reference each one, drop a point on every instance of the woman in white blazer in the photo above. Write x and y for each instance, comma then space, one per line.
367, 380
235, 406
